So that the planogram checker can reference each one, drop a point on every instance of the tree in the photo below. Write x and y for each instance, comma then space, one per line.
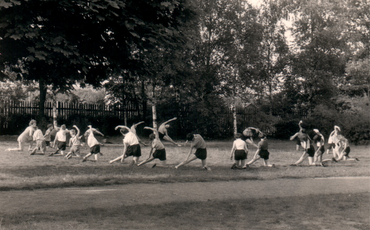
61, 42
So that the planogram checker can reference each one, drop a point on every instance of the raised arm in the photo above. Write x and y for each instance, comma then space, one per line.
135, 125
164, 123
155, 131
78, 130
96, 131
122, 127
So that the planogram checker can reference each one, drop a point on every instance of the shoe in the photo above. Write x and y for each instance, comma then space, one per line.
273, 166
357, 159
293, 165
245, 167
51, 154
33, 152
84, 159
101, 154
206, 168
176, 167
322, 165
234, 166
154, 165
333, 159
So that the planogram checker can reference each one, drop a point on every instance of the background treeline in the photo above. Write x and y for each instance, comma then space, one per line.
199, 60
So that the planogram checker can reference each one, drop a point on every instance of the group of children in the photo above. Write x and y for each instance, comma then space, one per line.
198, 150
33, 134
337, 143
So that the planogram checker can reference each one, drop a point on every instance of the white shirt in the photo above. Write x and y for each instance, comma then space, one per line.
130, 139
91, 140
240, 144
37, 135
61, 135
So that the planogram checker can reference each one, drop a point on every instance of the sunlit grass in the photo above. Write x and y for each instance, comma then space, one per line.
19, 170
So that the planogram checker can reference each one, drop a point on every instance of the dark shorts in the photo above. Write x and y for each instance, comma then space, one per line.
322, 150
161, 135
298, 142
133, 150
311, 151
160, 154
201, 154
240, 154
264, 154
347, 151
61, 145
47, 143
95, 149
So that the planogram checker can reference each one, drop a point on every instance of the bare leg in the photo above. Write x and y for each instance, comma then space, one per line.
204, 164
85, 157
167, 138
20, 147
255, 158
266, 164
300, 160
186, 162
117, 159
146, 161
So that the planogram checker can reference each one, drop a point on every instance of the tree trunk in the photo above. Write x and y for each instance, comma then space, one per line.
154, 114
235, 120
43, 91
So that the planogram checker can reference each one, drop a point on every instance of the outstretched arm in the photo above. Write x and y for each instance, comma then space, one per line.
122, 127
155, 131
135, 125
169, 121
294, 136
78, 130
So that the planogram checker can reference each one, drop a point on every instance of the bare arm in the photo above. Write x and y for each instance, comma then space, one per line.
169, 121
155, 131
122, 127
78, 130
135, 125
232, 151
294, 136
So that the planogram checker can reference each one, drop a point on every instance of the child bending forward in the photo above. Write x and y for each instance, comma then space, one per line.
93, 143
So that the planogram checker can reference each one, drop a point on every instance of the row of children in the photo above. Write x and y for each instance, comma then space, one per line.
337, 143
33, 134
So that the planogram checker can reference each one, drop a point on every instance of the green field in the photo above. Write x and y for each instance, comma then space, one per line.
19, 170
25, 173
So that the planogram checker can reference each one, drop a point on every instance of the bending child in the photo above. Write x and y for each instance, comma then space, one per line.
93, 143
131, 146
199, 145
74, 143
157, 151
60, 140
262, 152
239, 151
26, 137
39, 138
163, 132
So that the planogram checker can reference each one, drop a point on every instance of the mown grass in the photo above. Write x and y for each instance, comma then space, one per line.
335, 211
19, 170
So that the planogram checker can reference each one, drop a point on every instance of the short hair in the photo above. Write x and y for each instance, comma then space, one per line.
33, 121
124, 131
152, 136
63, 127
303, 130
49, 125
73, 131
238, 135
189, 136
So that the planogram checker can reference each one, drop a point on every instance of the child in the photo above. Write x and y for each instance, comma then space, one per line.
332, 140
239, 151
320, 142
343, 144
26, 137
163, 133
93, 143
60, 140
199, 145
262, 152
158, 150
47, 135
131, 146
309, 150
248, 134
295, 136
39, 138
74, 143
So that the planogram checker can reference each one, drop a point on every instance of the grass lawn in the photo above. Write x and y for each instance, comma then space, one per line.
19, 170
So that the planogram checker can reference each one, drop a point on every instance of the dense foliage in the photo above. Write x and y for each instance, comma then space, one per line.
198, 60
